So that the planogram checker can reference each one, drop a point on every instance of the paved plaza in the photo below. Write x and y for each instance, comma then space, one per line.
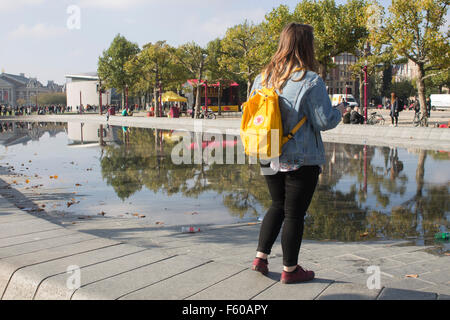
119, 258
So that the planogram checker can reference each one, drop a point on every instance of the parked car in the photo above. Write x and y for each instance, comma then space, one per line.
440, 101
339, 98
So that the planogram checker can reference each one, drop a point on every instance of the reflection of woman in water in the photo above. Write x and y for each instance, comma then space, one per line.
395, 163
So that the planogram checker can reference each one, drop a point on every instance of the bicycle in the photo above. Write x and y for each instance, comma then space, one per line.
206, 114
375, 118
419, 120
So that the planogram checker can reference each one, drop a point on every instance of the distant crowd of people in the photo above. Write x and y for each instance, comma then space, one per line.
30, 109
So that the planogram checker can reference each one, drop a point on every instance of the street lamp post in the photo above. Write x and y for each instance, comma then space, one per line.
100, 91
365, 92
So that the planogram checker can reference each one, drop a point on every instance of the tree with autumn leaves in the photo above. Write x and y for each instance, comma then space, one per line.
415, 29
412, 30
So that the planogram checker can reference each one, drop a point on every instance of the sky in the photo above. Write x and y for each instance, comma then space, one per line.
45, 38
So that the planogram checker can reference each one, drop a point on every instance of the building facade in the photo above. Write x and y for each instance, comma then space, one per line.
81, 89
20, 90
339, 79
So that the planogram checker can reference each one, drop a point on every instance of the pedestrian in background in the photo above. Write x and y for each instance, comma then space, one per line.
394, 109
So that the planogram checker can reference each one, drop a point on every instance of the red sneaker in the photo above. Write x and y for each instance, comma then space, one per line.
298, 275
260, 265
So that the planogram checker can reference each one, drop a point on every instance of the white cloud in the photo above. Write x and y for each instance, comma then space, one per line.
110, 4
38, 31
11, 5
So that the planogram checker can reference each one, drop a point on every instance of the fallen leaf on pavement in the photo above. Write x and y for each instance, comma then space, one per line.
365, 234
412, 276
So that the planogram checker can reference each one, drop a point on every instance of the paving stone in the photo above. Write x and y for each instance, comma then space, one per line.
10, 265
348, 291
410, 284
24, 227
413, 257
54, 287
47, 234
295, 291
402, 294
37, 245
440, 277
24, 282
242, 286
440, 289
125, 283
186, 284
14, 217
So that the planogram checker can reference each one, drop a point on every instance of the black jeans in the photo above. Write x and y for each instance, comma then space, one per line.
291, 194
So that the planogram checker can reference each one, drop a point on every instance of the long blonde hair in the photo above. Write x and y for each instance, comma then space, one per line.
295, 51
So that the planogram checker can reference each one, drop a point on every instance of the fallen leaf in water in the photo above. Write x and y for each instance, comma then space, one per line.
55, 177
412, 276
192, 213
29, 161
27, 181
43, 205
141, 216
101, 213
51, 177
14, 181
77, 184
365, 234
158, 222
135, 214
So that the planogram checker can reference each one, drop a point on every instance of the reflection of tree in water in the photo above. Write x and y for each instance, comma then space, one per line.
334, 214
418, 217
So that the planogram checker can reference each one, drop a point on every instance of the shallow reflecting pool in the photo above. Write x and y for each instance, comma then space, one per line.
364, 192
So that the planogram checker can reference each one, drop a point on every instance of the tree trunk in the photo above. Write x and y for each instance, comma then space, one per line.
420, 172
123, 97
249, 87
323, 70
155, 102
361, 90
197, 100
421, 90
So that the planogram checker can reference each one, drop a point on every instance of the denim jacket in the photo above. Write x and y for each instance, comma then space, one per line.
299, 98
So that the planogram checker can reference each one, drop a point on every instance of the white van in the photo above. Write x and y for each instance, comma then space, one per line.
440, 101
338, 98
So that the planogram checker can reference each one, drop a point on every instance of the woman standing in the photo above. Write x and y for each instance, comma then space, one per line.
394, 109
301, 93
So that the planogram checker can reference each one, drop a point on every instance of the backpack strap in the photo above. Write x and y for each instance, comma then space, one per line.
291, 133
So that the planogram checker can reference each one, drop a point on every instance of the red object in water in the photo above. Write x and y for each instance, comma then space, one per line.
212, 144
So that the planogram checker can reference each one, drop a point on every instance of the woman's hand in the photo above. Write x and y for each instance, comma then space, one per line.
341, 107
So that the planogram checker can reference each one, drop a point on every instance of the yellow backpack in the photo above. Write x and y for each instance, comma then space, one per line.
261, 126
